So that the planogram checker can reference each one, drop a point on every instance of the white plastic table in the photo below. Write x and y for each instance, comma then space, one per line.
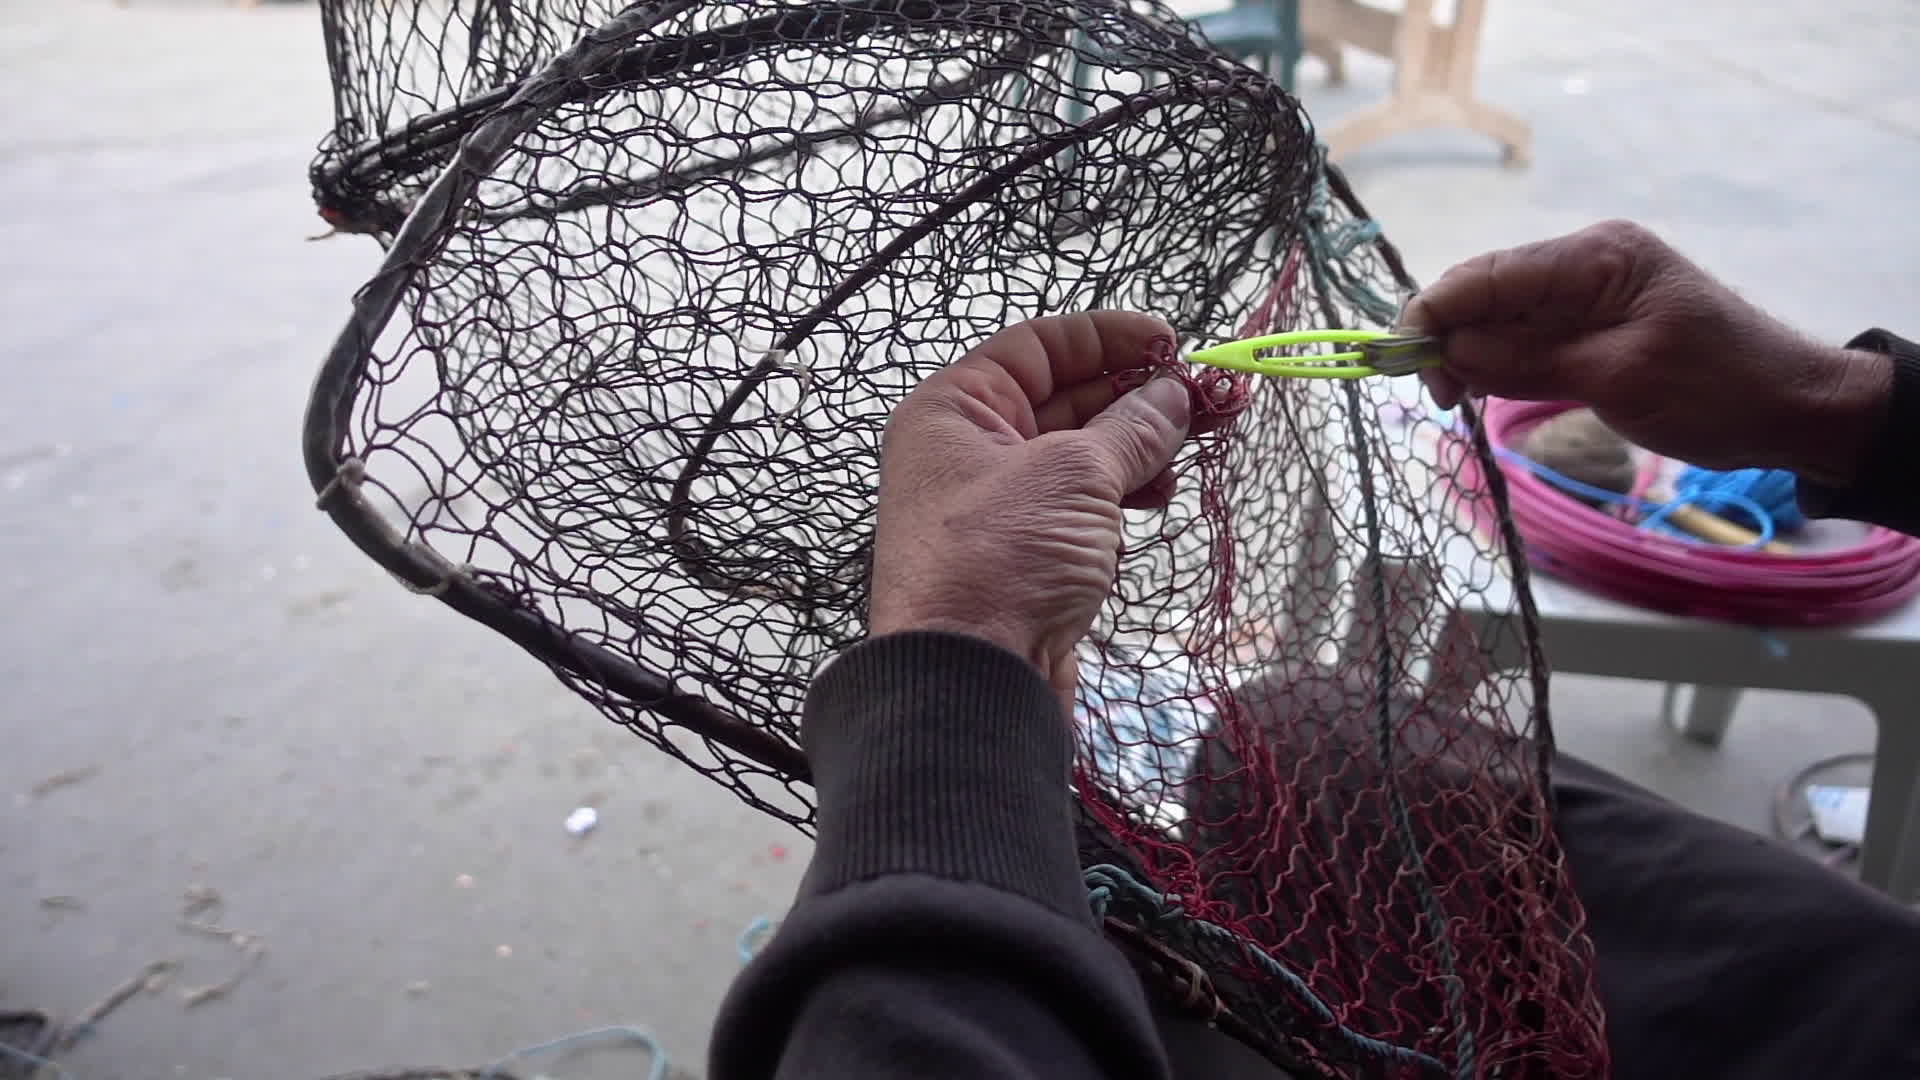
1877, 664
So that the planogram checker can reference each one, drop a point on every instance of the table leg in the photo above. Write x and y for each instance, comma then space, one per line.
1890, 855
1709, 710
1888, 859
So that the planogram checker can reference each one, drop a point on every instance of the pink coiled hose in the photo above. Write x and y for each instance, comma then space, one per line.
1573, 541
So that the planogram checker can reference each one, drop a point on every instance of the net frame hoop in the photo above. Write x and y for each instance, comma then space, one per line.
336, 478
418, 145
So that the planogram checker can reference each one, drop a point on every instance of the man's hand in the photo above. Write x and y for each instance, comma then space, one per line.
1669, 357
1002, 479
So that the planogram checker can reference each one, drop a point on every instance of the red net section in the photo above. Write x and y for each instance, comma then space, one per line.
1337, 751
657, 273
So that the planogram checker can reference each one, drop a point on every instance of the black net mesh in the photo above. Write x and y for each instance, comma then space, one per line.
655, 276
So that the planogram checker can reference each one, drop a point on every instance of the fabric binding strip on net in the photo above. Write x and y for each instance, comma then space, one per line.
656, 273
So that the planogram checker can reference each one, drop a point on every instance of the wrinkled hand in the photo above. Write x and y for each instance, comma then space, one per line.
1002, 480
1614, 318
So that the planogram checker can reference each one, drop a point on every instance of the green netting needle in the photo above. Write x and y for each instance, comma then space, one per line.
1378, 353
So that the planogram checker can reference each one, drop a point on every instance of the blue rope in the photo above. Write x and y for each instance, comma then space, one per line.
1764, 500
1331, 241
1761, 499
657, 1070
1108, 886
1574, 487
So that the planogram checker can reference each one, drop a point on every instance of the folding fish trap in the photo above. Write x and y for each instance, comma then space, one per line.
655, 275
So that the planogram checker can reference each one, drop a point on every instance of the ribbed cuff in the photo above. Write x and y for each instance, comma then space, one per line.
942, 754
1883, 492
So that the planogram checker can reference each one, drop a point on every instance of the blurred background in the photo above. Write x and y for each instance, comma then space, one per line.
337, 810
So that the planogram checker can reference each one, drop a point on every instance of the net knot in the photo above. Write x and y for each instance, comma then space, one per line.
438, 588
1216, 394
1109, 886
781, 360
348, 476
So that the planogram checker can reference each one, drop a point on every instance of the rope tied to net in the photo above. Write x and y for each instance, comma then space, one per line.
1412, 859
1338, 277
1333, 240
1114, 893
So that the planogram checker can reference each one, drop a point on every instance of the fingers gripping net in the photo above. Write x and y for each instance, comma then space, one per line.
657, 273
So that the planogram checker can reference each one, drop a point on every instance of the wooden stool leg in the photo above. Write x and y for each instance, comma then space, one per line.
1413, 112
1330, 54
1511, 132
1433, 80
1461, 61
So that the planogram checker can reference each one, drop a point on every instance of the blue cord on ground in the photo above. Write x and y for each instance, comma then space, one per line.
657, 1070
39, 1063
748, 944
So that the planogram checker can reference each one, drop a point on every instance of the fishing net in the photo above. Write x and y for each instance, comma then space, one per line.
655, 275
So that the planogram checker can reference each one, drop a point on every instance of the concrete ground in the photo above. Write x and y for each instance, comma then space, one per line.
206, 688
